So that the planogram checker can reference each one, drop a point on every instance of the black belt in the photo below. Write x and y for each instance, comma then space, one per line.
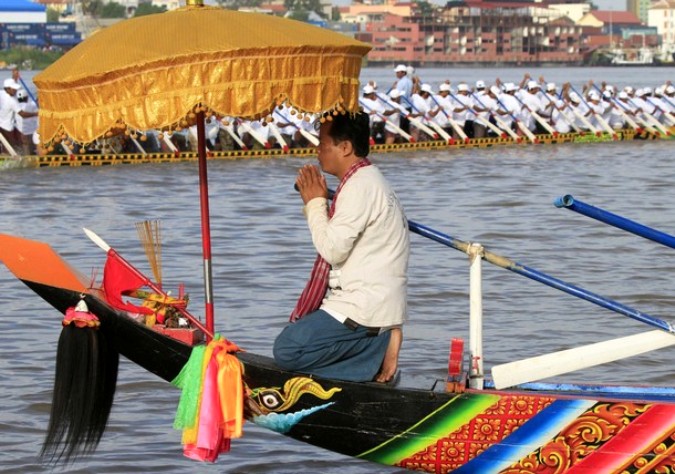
370, 332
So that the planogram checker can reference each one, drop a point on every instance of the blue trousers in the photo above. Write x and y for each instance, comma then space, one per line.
320, 345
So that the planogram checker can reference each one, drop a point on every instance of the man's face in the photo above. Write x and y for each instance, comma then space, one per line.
400, 74
11, 91
328, 151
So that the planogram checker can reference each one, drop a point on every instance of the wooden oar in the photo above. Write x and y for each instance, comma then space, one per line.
256, 136
107, 248
599, 118
396, 128
519, 124
538, 118
453, 123
229, 128
12, 152
649, 118
487, 123
437, 129
308, 136
277, 134
570, 360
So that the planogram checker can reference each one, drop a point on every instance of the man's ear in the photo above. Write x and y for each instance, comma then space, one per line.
347, 147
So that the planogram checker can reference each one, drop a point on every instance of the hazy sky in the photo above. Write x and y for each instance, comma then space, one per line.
611, 4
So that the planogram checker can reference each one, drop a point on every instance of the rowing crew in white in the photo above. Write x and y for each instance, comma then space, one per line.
524, 110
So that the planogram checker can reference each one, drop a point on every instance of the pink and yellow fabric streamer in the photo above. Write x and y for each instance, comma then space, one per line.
211, 407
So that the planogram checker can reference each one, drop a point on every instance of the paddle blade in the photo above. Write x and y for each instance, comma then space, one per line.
556, 363
33, 261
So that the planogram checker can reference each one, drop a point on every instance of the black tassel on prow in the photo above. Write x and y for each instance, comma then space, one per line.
84, 388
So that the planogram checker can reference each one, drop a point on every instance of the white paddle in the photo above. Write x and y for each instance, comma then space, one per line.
556, 363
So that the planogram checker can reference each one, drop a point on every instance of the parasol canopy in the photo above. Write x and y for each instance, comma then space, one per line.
170, 70
151, 71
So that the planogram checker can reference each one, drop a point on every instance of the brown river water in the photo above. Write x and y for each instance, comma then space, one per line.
501, 197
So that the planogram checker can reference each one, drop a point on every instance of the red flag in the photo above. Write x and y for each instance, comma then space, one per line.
118, 280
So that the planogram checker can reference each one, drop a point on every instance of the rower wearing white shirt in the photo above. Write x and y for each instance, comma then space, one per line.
509, 107
554, 109
581, 108
443, 107
420, 109
375, 110
461, 112
532, 104
394, 111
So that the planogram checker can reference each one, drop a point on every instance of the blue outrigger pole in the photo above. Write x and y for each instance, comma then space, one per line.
536, 275
567, 201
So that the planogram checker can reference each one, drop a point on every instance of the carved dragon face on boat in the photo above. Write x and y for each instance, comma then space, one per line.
275, 402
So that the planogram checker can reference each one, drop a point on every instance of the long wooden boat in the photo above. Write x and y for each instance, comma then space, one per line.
54, 160
446, 428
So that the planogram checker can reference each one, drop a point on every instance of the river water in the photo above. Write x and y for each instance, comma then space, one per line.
501, 197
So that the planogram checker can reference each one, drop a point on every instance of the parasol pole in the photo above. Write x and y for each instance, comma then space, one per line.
206, 223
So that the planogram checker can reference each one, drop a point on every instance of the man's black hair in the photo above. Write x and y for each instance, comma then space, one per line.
354, 128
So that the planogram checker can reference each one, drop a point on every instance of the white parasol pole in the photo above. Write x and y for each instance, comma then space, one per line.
206, 222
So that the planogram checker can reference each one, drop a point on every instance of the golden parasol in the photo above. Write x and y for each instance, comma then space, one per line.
168, 70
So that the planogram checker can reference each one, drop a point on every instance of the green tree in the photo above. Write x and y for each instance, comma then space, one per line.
148, 9
53, 15
113, 10
92, 7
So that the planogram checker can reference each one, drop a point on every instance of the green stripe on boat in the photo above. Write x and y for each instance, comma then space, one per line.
446, 419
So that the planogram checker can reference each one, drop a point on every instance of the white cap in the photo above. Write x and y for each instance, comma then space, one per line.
660, 90
532, 85
670, 90
11, 83
609, 88
21, 94
628, 89
462, 87
510, 87
623, 95
593, 95
495, 90
401, 68
550, 86
480, 85
444, 87
368, 89
607, 95
395, 93
647, 90
426, 88
574, 97
640, 92
410, 70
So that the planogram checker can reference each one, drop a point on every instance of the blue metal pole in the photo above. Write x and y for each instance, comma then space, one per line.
538, 276
615, 220
535, 275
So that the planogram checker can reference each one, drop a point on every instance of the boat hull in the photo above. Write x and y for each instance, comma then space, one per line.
426, 430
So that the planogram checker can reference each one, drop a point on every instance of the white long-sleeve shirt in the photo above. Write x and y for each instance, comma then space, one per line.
367, 244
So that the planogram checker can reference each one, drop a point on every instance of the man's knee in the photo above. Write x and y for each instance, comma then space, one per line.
285, 350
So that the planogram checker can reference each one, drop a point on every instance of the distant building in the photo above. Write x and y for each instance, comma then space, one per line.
609, 21
662, 16
474, 32
640, 8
